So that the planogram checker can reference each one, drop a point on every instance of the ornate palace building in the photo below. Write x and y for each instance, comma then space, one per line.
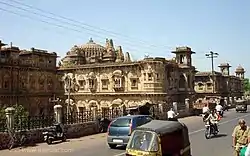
27, 77
225, 85
103, 77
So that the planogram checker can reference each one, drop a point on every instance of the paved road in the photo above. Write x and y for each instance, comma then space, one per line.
95, 145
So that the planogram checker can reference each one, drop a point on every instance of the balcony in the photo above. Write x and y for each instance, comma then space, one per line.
118, 87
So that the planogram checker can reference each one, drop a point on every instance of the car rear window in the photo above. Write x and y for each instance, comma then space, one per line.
124, 122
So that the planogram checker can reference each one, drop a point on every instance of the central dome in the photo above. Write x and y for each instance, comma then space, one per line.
91, 46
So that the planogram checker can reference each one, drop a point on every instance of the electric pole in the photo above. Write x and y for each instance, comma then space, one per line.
212, 55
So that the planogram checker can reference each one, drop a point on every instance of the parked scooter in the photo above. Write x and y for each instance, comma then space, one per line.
54, 134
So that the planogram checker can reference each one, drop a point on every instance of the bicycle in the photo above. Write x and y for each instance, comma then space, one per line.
17, 139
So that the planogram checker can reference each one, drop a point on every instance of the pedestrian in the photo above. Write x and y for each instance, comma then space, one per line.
172, 115
241, 136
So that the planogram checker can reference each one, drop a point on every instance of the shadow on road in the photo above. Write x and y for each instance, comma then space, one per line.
59, 142
120, 148
219, 135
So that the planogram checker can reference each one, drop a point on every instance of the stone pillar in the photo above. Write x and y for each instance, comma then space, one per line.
58, 113
160, 109
230, 100
175, 107
10, 117
187, 104
94, 113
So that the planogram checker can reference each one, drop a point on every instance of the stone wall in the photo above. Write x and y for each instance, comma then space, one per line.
72, 131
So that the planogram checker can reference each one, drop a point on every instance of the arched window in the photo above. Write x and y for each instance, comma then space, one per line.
182, 82
6, 81
200, 86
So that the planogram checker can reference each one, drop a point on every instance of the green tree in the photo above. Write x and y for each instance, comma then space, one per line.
19, 111
246, 85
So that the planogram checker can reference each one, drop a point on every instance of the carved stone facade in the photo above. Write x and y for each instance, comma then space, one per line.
105, 78
27, 77
225, 85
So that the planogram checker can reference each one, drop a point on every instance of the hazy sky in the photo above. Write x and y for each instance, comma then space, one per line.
141, 27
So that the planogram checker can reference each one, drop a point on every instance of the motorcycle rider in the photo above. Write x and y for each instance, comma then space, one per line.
205, 109
212, 119
219, 109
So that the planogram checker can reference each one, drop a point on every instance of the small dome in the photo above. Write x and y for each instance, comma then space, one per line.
74, 49
240, 69
224, 65
92, 46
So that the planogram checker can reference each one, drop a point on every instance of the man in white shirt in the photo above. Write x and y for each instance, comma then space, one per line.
171, 114
219, 108
205, 109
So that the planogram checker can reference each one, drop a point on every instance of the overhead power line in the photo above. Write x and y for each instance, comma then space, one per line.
60, 26
82, 24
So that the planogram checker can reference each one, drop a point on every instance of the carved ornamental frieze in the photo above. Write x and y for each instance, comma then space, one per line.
41, 82
70, 83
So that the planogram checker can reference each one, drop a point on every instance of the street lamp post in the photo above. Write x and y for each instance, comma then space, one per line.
54, 100
212, 55
68, 83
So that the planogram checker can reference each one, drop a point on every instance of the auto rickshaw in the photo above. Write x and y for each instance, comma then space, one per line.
241, 106
159, 138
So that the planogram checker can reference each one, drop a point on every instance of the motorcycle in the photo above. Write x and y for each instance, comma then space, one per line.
54, 134
210, 130
220, 113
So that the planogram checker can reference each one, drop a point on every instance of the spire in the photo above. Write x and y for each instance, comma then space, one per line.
119, 54
127, 57
2, 44
91, 40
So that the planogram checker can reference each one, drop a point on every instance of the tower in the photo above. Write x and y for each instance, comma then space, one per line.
184, 55
225, 68
2, 44
240, 72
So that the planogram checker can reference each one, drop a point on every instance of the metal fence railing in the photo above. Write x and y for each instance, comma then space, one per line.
88, 116
33, 122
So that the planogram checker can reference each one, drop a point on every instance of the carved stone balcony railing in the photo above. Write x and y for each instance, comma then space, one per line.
118, 87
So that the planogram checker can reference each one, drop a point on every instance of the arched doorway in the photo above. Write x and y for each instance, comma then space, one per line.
104, 109
93, 110
116, 108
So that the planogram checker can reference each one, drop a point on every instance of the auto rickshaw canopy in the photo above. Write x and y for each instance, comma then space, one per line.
162, 127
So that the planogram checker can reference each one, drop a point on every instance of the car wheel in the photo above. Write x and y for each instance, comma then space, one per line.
112, 146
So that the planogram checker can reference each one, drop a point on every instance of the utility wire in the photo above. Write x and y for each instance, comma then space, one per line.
60, 26
73, 24
46, 22
87, 25
20, 8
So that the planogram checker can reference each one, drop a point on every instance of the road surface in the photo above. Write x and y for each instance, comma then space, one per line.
95, 145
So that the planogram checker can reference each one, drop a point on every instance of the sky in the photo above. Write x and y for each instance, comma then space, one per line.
141, 27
